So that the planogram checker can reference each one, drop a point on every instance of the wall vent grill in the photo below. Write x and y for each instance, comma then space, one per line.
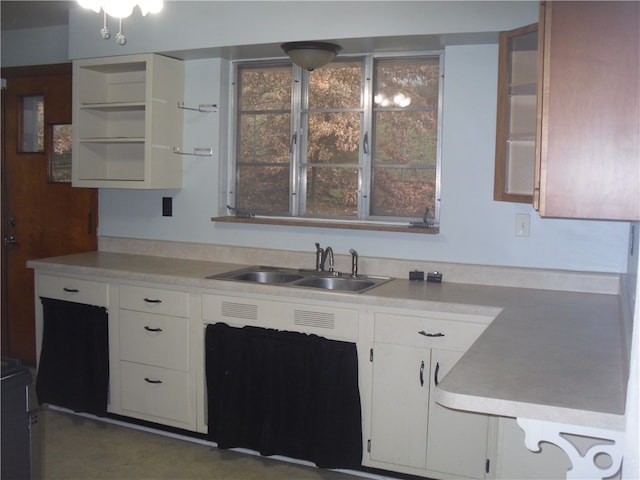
314, 319
239, 310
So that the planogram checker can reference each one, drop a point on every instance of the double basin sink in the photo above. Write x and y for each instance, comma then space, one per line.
303, 278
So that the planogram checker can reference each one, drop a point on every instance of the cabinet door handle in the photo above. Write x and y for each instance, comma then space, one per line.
152, 300
435, 375
148, 380
422, 374
439, 334
151, 329
70, 290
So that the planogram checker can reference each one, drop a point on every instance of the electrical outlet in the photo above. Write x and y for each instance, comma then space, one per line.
167, 207
522, 224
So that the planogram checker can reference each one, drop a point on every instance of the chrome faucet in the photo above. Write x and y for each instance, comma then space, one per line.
354, 263
319, 254
328, 252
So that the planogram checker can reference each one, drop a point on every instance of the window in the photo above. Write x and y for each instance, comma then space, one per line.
357, 139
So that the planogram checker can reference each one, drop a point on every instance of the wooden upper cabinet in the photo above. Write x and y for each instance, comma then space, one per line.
516, 115
588, 148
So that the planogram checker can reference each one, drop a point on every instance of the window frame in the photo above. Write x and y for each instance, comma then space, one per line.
298, 166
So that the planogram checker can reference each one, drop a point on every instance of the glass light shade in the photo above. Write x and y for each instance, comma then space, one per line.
311, 55
150, 6
118, 8
94, 5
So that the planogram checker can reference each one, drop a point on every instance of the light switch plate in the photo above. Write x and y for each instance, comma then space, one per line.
522, 224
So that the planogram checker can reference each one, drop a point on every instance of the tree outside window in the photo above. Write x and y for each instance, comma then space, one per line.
356, 140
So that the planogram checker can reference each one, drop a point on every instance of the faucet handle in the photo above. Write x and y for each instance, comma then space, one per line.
319, 253
354, 262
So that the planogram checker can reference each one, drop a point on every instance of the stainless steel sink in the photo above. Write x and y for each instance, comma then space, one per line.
337, 283
302, 278
269, 275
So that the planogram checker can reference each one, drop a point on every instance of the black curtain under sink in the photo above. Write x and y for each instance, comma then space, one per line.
284, 393
73, 371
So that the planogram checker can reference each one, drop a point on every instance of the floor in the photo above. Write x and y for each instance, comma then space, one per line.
75, 447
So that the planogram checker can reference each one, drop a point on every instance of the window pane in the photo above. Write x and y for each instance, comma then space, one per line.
263, 150
333, 137
265, 88
407, 82
263, 189
405, 122
60, 162
332, 191
406, 137
337, 85
33, 124
264, 138
403, 192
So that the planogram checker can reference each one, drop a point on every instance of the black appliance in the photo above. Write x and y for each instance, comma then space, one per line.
20, 432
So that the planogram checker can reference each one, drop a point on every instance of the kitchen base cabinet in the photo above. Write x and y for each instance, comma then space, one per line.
464, 433
409, 432
155, 379
73, 342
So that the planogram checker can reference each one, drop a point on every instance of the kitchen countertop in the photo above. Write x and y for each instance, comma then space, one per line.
547, 355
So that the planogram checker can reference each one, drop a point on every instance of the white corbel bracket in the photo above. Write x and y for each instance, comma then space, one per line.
583, 466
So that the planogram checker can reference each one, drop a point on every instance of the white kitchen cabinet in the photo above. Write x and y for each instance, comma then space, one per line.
157, 379
409, 432
325, 320
126, 122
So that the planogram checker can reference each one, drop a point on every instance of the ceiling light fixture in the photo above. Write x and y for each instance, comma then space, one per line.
311, 55
120, 9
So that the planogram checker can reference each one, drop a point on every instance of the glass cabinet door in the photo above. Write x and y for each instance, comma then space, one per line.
516, 115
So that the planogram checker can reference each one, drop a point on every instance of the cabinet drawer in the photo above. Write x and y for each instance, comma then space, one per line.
154, 300
73, 290
154, 339
426, 332
154, 391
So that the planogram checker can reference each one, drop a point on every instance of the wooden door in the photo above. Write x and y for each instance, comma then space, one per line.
42, 215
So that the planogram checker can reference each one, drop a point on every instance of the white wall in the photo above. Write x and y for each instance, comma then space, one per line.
35, 46
474, 228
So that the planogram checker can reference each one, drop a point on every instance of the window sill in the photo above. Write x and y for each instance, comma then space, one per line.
304, 222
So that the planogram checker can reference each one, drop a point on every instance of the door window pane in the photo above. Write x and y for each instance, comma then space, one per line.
32, 124
60, 160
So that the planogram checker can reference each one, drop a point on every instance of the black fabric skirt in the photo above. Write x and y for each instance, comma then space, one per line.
73, 371
284, 393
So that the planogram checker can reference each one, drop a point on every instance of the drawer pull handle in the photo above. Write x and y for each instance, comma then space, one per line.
148, 380
152, 300
435, 375
422, 374
439, 334
70, 290
151, 329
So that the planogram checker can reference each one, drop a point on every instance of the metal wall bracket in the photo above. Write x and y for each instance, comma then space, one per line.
197, 152
205, 108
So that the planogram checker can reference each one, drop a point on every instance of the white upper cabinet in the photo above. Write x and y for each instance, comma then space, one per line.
126, 122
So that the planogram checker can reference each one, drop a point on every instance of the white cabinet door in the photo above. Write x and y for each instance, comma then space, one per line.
457, 441
400, 399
